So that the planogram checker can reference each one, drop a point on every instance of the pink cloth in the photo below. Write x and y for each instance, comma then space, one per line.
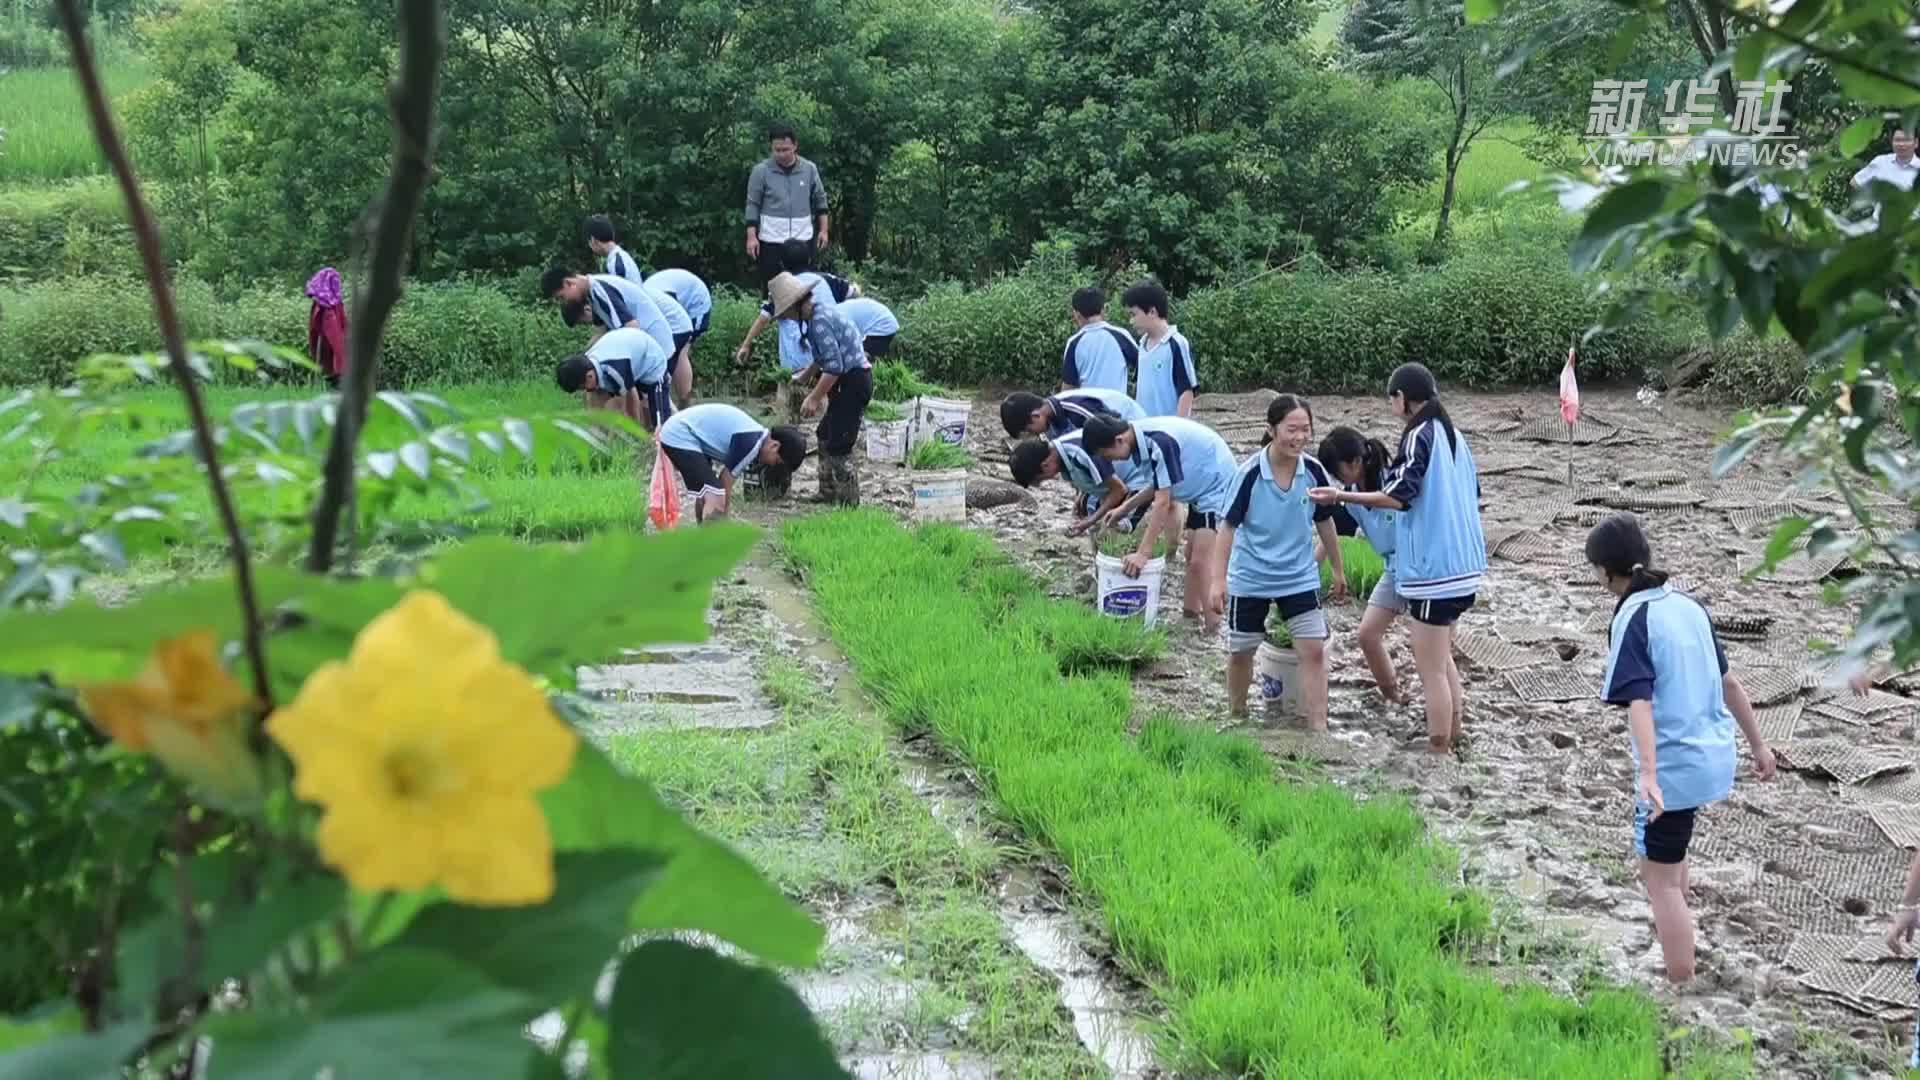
1569, 392
324, 287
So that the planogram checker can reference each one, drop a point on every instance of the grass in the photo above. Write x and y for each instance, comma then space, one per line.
818, 804
1289, 930
45, 120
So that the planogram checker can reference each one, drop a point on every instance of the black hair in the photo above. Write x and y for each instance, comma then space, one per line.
551, 281
1280, 408
1016, 412
781, 130
1415, 383
1090, 302
572, 373
600, 227
1101, 432
793, 445
1619, 546
1148, 296
1344, 444
1027, 459
574, 313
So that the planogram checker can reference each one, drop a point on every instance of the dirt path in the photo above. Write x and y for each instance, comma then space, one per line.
1788, 876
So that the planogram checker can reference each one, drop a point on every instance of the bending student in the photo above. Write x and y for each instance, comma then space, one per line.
1030, 414
1360, 464
700, 437
1188, 463
624, 370
1102, 488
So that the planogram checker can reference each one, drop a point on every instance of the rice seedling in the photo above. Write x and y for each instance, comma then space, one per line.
1289, 930
45, 120
881, 412
1119, 545
895, 382
937, 454
1364, 568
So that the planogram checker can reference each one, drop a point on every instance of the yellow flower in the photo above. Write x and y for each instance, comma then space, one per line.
185, 710
425, 749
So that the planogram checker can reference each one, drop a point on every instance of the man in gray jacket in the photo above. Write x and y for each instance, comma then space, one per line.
787, 216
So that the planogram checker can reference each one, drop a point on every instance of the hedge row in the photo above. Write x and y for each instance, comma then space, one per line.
1488, 319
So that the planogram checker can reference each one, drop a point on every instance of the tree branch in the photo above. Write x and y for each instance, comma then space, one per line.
412, 97
1824, 52
147, 238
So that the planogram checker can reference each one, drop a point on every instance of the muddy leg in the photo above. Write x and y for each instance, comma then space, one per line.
1433, 659
1673, 922
1373, 645
1458, 689
1239, 679
1313, 681
1200, 577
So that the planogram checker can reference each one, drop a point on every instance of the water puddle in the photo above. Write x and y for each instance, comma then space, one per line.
693, 686
1107, 1026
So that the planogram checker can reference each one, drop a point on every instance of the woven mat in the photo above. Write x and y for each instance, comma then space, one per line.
1777, 723
1588, 430
1743, 494
1726, 833
1598, 623
1500, 534
1528, 633
1668, 498
1525, 545
1869, 987
1489, 651
1735, 625
1559, 683
1562, 511
1766, 686
1900, 824
1838, 716
1845, 763
1657, 478
1902, 791
1809, 909
1873, 949
1799, 568
1873, 703
1759, 520
1876, 877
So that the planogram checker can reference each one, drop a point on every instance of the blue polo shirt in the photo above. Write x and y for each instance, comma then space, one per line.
626, 359
617, 302
1663, 650
686, 288
1273, 528
1187, 459
1088, 472
720, 431
871, 317
678, 321
622, 265
1166, 372
1098, 356
1073, 408
1381, 527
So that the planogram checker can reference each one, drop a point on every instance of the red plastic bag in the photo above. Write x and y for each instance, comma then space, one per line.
663, 500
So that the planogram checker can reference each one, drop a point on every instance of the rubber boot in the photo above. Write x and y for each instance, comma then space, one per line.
846, 480
829, 483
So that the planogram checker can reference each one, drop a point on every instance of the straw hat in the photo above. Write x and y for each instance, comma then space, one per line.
785, 291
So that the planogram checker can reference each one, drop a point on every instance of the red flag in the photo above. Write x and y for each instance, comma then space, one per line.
1569, 392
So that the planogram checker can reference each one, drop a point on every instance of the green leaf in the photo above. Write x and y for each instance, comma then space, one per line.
683, 1013
1780, 545
1858, 260
704, 885
1872, 89
1617, 211
1753, 286
1722, 313
1750, 55
555, 605
79, 1056
414, 456
396, 1014
554, 951
1859, 133
1482, 10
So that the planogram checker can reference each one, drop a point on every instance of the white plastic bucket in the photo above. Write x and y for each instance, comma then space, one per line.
940, 418
887, 440
1277, 677
1123, 597
939, 496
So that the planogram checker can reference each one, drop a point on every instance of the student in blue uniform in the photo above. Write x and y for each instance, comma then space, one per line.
718, 434
876, 324
684, 288
611, 301
1099, 354
1263, 560
600, 240
1167, 379
624, 370
1185, 463
1439, 552
1101, 486
1360, 464
1030, 414
1667, 669
829, 289
842, 377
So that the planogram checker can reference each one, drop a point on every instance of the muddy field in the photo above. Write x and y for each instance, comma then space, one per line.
1793, 880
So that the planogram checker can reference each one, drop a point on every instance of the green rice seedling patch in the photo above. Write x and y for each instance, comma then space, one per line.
937, 454
895, 382
1364, 568
1119, 545
45, 119
883, 412
1289, 930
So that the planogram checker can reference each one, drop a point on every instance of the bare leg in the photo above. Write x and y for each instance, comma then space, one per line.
1239, 679
1373, 645
1433, 659
1672, 921
1459, 690
683, 378
1200, 576
1313, 682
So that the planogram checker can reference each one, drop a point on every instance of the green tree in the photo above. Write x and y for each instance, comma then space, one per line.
193, 52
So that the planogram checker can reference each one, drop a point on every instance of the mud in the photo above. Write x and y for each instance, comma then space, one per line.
1539, 800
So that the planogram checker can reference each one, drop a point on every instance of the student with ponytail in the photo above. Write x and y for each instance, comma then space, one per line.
1665, 666
1439, 552
1358, 463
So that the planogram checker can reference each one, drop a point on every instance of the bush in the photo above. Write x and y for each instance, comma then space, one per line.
65, 229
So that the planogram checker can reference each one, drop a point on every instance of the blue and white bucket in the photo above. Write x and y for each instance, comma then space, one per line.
940, 418
1123, 597
1277, 677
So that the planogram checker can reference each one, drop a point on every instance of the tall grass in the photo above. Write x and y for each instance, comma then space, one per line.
45, 118
1289, 930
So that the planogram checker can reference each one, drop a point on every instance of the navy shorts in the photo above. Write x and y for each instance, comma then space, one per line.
695, 469
700, 328
1665, 838
680, 340
1444, 611
1202, 519
878, 345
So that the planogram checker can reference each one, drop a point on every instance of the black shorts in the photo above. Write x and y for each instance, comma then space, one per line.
1247, 616
695, 469
879, 345
1665, 838
1444, 611
681, 339
1202, 519
659, 401
700, 328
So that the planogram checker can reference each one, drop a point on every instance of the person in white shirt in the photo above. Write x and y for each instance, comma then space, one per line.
1898, 168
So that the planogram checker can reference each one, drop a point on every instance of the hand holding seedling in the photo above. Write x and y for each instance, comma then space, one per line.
1133, 564
1338, 592
1324, 496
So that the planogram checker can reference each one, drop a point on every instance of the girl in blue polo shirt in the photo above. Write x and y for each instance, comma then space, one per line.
1360, 464
1439, 552
1666, 668
1264, 560
1183, 462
